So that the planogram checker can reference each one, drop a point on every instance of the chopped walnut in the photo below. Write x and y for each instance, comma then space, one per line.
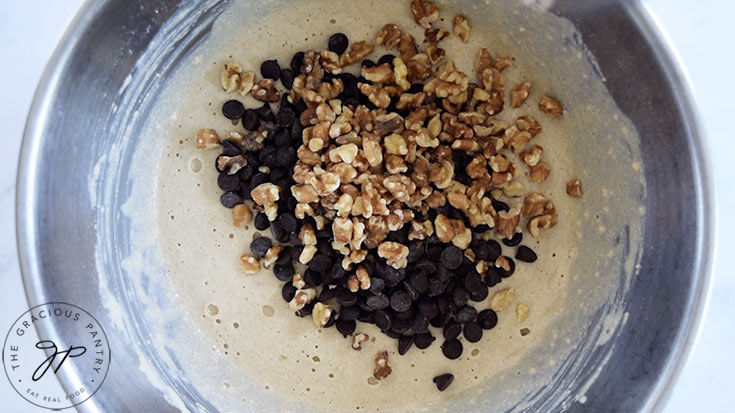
265, 91
521, 312
230, 77
435, 35
441, 174
462, 235
532, 155
301, 298
358, 50
330, 62
271, 255
450, 83
519, 94
419, 67
502, 299
241, 215
307, 235
395, 144
363, 277
400, 74
539, 172
231, 164
550, 106
574, 188
507, 221
297, 280
378, 96
382, 368
378, 74
394, 253
483, 61
519, 141
389, 35
387, 123
461, 28
321, 314
424, 12
265, 194
307, 254
543, 221
435, 53
358, 339
207, 139
250, 264
529, 124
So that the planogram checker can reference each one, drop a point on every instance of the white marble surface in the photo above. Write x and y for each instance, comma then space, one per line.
702, 32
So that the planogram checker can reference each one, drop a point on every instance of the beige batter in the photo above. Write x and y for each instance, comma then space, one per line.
245, 318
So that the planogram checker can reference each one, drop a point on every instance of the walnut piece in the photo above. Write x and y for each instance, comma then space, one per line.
574, 188
502, 299
250, 264
301, 298
539, 172
378, 74
321, 314
358, 339
550, 106
241, 215
532, 155
265, 91
394, 253
461, 28
382, 367
424, 12
207, 139
363, 277
521, 312
519, 94
358, 50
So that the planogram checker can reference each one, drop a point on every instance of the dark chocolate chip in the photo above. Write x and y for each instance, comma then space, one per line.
320, 263
326, 294
487, 319
436, 287
500, 206
283, 272
259, 246
416, 88
230, 148
307, 310
227, 182
452, 257
425, 266
419, 282
270, 69
423, 340
261, 221
407, 315
287, 77
345, 297
466, 314
368, 63
386, 58
382, 319
365, 316
472, 282
472, 332
428, 308
488, 251
420, 324
492, 276
391, 334
285, 117
245, 173
400, 326
517, 238
230, 199
376, 285
337, 272
441, 320
452, 330
266, 113
288, 291
338, 43
288, 222
346, 327
452, 349
296, 61
349, 313
460, 296
378, 302
233, 109
505, 274
404, 343
312, 278
480, 294
332, 319
443, 381
526, 254
400, 301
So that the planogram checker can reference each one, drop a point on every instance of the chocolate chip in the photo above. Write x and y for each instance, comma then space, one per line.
472, 282
488, 251
487, 319
500, 206
436, 287
479, 295
230, 148
400, 301
425, 266
331, 320
245, 173
349, 313
423, 340
327, 293
382, 319
452, 330
259, 246
320, 263
377, 285
466, 314
419, 281
296, 61
368, 63
452, 257
441, 320
492, 276
261, 221
285, 117
386, 58
270, 69
365, 316
428, 308
287, 77
307, 310
266, 113
378, 302
288, 291
460, 296
400, 326
452, 349
337, 272
346, 327
283, 272
404, 343
505, 274
517, 238
472, 332
345, 297
312, 278
227, 182
407, 315
338, 43
420, 324
443, 381
416, 88
288, 222
526, 254
230, 199
233, 109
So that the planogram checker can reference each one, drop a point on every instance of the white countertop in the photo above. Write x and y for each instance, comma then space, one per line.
702, 32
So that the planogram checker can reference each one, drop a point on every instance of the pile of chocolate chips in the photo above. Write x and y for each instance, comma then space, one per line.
439, 285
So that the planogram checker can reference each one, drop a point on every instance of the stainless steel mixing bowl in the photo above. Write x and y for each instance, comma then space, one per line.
103, 73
